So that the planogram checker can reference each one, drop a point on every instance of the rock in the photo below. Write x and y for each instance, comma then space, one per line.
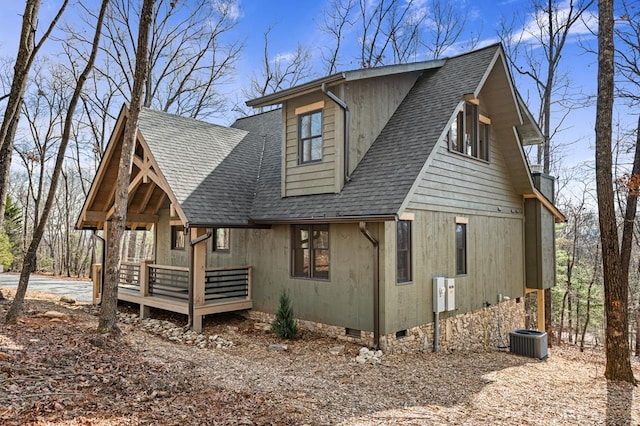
278, 347
367, 356
55, 315
68, 300
336, 350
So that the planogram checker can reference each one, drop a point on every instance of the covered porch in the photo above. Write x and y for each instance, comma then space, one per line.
168, 192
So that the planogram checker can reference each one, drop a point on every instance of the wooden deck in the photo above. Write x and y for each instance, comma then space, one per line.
167, 287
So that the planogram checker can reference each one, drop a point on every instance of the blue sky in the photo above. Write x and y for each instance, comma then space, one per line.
298, 22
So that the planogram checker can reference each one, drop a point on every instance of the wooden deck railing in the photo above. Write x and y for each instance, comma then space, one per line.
215, 290
170, 281
227, 283
129, 276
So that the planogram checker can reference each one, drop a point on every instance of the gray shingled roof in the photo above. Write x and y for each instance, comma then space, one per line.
231, 176
212, 170
386, 173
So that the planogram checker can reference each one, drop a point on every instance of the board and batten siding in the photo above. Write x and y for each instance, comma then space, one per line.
164, 254
371, 103
345, 300
313, 178
495, 265
457, 186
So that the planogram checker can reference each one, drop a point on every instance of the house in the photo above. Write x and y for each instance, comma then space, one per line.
374, 197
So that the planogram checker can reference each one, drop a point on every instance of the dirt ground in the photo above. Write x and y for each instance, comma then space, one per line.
57, 371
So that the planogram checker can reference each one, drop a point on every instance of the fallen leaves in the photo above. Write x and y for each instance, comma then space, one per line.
65, 373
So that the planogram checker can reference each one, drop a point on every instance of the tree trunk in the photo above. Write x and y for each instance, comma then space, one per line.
30, 256
27, 50
108, 321
570, 317
562, 311
618, 366
638, 331
588, 313
18, 87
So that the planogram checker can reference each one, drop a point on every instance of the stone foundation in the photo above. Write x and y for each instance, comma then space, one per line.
482, 330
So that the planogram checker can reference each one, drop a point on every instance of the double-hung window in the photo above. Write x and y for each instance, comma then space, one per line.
403, 251
310, 253
310, 137
469, 133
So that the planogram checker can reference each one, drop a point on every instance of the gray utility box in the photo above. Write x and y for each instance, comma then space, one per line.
531, 343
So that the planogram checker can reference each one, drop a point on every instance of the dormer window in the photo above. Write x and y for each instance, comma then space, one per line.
469, 133
310, 137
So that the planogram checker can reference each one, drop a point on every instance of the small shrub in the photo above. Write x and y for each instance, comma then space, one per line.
284, 326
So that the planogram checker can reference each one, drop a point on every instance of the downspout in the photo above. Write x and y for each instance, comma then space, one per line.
347, 117
104, 259
192, 243
376, 283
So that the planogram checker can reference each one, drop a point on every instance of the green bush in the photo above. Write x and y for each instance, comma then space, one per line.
285, 326
6, 257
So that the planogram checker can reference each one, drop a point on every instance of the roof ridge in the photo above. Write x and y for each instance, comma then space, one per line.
186, 118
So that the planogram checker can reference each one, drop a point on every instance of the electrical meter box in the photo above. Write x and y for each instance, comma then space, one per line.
451, 293
439, 294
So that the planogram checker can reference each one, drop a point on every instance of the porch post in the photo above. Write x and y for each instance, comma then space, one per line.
198, 265
541, 314
143, 280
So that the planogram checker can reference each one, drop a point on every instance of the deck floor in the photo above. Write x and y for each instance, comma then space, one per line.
181, 306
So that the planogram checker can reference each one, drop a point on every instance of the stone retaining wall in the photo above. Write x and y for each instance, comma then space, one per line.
485, 329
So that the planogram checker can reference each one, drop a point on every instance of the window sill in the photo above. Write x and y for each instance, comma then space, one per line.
309, 163
470, 157
306, 278
403, 283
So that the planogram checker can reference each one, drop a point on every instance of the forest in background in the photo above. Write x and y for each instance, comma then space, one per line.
194, 51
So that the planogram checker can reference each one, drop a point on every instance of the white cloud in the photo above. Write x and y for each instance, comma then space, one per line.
536, 27
229, 7
284, 57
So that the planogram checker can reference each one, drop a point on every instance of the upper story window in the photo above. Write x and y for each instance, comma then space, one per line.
469, 133
310, 137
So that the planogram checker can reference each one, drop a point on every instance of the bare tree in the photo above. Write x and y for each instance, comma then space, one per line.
189, 55
535, 51
445, 26
108, 323
27, 50
627, 33
618, 366
337, 21
393, 31
279, 72
30, 255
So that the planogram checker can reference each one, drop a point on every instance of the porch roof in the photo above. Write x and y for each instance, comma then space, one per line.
202, 169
